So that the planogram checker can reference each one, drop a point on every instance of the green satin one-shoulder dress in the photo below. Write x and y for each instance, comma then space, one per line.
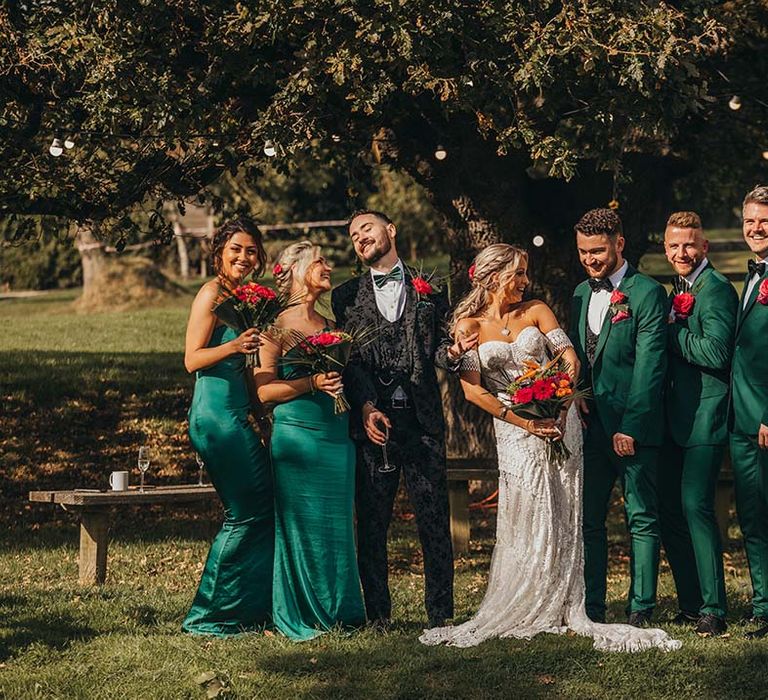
235, 592
316, 580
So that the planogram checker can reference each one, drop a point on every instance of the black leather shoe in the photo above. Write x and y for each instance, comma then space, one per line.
685, 618
750, 619
711, 626
641, 618
381, 625
435, 622
758, 634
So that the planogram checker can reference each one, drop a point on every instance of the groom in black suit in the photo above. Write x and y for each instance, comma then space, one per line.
392, 387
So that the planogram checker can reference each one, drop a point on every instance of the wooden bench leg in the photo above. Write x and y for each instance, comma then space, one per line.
458, 502
94, 534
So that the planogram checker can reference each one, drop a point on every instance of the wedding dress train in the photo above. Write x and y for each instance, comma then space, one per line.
536, 579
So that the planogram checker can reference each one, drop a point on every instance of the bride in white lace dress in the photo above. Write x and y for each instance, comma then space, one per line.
536, 580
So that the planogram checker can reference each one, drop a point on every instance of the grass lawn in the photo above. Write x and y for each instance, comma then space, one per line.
79, 393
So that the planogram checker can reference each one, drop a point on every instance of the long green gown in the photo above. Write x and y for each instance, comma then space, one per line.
235, 592
316, 581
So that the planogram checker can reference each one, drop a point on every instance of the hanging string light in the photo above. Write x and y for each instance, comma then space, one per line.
56, 148
441, 153
538, 241
69, 142
735, 103
269, 149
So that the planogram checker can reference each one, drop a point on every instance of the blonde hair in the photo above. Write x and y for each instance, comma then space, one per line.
684, 219
499, 257
759, 195
294, 262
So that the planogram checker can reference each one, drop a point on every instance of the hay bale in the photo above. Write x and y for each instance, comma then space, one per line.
121, 284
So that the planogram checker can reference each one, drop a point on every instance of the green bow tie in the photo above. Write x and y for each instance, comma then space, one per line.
396, 274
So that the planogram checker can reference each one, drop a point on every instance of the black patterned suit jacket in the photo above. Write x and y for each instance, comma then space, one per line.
427, 342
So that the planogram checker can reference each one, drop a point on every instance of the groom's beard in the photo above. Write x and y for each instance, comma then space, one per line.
374, 253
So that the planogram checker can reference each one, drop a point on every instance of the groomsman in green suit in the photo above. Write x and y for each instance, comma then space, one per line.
619, 329
749, 405
702, 322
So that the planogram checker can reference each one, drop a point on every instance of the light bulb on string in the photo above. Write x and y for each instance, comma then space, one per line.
765, 155
69, 142
269, 149
735, 103
56, 148
441, 153
335, 138
538, 241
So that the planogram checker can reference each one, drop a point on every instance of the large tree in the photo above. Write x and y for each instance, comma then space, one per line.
544, 109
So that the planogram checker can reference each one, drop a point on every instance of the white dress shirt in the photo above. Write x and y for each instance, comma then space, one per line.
751, 285
600, 301
390, 299
690, 279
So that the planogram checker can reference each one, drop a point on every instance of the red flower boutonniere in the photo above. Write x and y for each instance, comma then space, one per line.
619, 308
682, 305
424, 285
762, 293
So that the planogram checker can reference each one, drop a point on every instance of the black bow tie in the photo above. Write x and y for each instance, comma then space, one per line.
680, 285
395, 274
596, 284
755, 267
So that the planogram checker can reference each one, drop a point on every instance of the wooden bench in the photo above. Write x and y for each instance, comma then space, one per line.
94, 508
460, 472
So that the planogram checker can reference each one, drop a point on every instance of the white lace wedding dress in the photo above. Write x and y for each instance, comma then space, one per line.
536, 581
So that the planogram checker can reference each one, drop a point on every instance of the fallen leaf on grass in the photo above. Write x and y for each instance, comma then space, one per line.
313, 660
269, 633
546, 680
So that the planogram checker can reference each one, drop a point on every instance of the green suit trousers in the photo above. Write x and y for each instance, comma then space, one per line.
638, 478
687, 479
750, 472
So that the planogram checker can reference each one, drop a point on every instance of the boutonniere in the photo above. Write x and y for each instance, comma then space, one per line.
619, 308
682, 305
425, 285
762, 293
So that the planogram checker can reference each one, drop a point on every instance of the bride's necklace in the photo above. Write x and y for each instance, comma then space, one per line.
504, 331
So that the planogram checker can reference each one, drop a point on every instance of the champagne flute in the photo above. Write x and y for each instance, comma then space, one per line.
386, 468
143, 463
200, 465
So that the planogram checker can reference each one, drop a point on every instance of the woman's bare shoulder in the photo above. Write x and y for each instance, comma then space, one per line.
468, 325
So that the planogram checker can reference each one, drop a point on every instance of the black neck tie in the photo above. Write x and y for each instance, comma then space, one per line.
596, 285
755, 268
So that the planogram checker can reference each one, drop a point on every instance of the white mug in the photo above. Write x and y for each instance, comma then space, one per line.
119, 481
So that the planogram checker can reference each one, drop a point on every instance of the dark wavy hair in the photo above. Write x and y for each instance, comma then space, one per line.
362, 212
599, 222
241, 224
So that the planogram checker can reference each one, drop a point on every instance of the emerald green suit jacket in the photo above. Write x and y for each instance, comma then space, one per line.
627, 378
749, 377
700, 352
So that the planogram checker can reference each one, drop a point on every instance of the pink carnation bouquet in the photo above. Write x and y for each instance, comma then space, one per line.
328, 351
247, 306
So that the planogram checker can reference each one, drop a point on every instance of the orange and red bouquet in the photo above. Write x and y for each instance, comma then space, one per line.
543, 391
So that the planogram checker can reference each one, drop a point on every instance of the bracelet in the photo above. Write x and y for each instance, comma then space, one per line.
503, 412
312, 383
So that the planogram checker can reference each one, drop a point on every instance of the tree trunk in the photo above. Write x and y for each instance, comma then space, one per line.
92, 255
183, 251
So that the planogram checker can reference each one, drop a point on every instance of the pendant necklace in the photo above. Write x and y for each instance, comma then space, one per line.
505, 331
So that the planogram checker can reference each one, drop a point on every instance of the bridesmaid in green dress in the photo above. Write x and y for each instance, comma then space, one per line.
316, 581
235, 592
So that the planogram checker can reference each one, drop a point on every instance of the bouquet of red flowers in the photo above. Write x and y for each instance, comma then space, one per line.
328, 351
543, 391
250, 305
